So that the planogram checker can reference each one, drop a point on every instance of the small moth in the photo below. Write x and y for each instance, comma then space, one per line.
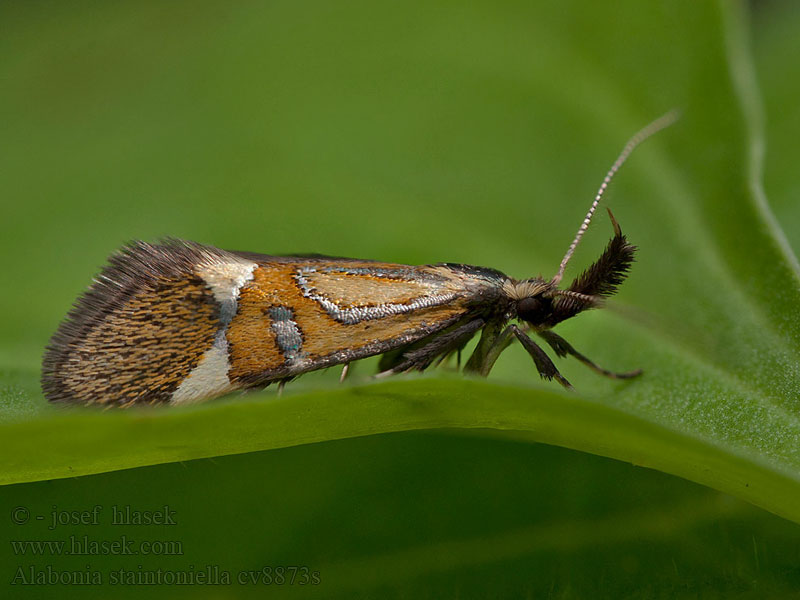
180, 322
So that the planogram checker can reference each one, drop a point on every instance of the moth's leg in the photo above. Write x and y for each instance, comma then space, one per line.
390, 359
421, 357
478, 361
494, 348
499, 343
562, 348
444, 358
544, 365
281, 384
345, 371
504, 340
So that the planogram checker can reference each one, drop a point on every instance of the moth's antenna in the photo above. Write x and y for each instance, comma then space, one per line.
657, 125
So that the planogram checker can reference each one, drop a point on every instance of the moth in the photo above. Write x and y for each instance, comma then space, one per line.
180, 322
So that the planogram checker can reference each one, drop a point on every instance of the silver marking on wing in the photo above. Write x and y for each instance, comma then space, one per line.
287, 333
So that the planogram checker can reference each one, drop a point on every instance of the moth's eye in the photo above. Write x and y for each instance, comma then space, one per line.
534, 310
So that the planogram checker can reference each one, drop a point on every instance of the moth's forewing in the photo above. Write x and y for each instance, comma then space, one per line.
182, 322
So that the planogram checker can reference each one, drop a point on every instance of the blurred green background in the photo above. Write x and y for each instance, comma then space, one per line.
409, 132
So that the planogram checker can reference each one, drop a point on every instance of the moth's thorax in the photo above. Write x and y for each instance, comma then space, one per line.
527, 288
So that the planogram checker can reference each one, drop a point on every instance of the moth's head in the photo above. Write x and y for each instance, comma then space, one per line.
533, 299
542, 304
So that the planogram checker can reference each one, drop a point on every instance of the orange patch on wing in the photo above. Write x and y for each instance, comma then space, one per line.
252, 347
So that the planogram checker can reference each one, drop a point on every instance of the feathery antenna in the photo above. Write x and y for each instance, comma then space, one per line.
654, 127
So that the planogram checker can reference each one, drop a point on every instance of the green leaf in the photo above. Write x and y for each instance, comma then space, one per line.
416, 515
464, 133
